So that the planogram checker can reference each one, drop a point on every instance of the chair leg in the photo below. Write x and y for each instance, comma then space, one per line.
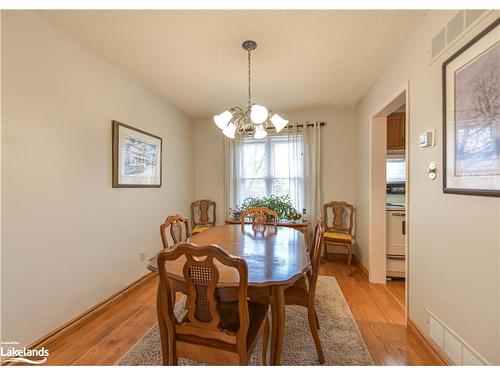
162, 326
243, 361
311, 313
317, 320
324, 251
349, 259
265, 342
172, 356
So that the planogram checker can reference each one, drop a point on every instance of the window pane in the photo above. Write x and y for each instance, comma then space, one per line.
254, 160
285, 186
285, 159
254, 187
281, 160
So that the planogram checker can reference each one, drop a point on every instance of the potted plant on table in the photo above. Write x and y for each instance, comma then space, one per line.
281, 204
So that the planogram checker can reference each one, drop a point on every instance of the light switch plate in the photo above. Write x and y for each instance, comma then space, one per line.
426, 139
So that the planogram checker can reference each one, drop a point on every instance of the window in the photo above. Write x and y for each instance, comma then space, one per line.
271, 166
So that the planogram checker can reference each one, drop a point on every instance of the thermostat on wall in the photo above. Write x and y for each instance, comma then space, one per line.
426, 139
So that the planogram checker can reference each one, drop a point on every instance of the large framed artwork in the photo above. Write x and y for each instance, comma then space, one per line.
136, 157
471, 116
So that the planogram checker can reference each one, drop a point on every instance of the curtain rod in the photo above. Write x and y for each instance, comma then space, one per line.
307, 124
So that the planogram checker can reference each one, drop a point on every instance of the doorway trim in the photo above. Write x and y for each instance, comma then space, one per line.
376, 187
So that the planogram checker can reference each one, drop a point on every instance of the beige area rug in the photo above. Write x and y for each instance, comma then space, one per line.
340, 337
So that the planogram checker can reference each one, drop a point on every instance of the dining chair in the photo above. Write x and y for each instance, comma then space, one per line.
179, 229
303, 292
338, 231
210, 330
200, 215
260, 215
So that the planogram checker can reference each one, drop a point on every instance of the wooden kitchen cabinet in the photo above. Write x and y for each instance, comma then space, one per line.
396, 131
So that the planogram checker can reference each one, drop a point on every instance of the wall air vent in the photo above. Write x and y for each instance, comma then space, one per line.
471, 15
455, 27
449, 343
438, 43
458, 26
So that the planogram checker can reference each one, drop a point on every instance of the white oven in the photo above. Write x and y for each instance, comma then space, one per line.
396, 242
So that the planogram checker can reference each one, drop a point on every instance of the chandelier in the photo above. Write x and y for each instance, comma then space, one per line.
256, 119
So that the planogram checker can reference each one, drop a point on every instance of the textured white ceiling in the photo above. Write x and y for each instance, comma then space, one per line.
193, 58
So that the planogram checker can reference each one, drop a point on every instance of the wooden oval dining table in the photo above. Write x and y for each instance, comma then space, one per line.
276, 258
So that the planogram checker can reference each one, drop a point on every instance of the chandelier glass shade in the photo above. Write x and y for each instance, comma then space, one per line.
256, 119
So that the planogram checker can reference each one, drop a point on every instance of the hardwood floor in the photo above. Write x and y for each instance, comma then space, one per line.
378, 314
105, 339
397, 288
380, 317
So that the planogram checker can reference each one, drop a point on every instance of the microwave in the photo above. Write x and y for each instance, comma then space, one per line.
396, 188
395, 170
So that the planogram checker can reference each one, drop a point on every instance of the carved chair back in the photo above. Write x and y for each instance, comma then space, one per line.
260, 230
260, 215
200, 213
201, 271
179, 229
342, 214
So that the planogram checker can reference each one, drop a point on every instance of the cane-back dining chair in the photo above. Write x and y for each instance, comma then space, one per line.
303, 292
260, 215
208, 329
179, 229
202, 215
338, 231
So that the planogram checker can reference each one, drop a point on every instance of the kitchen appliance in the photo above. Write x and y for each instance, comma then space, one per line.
395, 168
396, 188
396, 243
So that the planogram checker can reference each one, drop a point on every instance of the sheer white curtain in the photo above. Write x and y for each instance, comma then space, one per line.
312, 170
296, 167
232, 160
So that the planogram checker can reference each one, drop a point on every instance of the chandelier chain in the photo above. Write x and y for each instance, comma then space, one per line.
249, 81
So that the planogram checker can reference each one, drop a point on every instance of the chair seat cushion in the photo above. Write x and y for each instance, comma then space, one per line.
302, 283
298, 293
200, 228
230, 320
331, 236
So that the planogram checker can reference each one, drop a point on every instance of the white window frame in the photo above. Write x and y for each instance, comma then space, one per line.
269, 161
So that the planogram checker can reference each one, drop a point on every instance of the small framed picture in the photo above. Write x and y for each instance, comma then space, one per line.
471, 116
136, 157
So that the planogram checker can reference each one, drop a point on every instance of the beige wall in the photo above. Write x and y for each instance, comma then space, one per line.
69, 239
209, 164
339, 155
454, 243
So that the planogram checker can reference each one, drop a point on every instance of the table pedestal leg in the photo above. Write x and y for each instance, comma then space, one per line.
278, 323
